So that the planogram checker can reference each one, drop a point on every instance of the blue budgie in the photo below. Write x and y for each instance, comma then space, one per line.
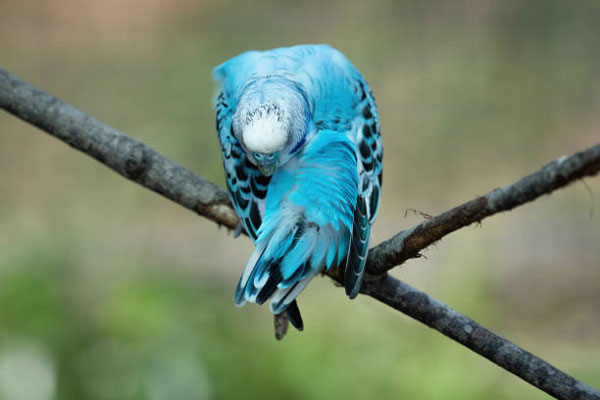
302, 154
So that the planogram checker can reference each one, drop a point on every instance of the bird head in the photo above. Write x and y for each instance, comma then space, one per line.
271, 122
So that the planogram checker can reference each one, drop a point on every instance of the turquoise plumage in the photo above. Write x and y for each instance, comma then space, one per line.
302, 153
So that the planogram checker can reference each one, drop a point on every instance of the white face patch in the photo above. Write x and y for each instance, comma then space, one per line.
266, 134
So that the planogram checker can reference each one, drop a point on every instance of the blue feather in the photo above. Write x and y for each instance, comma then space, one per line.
316, 209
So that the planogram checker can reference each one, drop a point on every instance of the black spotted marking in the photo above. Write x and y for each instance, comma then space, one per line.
374, 146
374, 199
363, 95
380, 178
241, 174
380, 157
248, 163
255, 215
365, 152
259, 193
374, 127
367, 132
250, 229
257, 184
366, 112
241, 202
361, 206
365, 185
243, 192
245, 189
263, 180
368, 165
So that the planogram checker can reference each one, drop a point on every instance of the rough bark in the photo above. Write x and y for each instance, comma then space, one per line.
409, 243
481, 340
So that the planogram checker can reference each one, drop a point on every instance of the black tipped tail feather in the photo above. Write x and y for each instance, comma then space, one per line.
279, 269
359, 247
293, 313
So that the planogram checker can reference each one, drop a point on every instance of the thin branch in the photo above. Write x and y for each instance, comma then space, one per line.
127, 156
140, 163
409, 243
469, 333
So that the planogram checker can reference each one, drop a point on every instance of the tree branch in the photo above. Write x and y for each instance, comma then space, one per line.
127, 156
407, 244
481, 340
140, 163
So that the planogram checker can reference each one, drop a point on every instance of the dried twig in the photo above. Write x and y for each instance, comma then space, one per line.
407, 244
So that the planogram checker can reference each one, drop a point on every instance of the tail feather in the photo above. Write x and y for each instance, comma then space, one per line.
293, 313
359, 247
283, 297
301, 271
286, 258
297, 254
281, 259
239, 296
270, 286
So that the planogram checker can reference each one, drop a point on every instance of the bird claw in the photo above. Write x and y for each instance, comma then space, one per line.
238, 230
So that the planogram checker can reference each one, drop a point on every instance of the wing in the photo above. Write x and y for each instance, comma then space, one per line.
367, 139
343, 102
246, 185
308, 222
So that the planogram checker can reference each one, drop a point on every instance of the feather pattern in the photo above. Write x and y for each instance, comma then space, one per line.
293, 241
315, 211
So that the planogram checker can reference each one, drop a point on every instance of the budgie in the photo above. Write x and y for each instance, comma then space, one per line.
302, 154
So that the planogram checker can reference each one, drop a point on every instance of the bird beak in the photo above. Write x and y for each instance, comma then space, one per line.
267, 169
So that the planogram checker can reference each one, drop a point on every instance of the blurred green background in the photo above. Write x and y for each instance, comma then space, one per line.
108, 291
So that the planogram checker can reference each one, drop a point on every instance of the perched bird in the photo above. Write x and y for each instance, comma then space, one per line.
302, 154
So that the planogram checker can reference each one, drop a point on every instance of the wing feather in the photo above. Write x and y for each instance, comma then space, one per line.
246, 185
315, 212
367, 140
